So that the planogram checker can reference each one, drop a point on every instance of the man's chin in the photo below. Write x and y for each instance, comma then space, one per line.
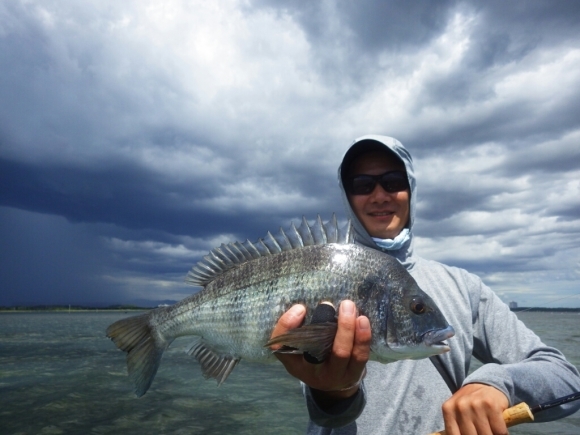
384, 230
384, 234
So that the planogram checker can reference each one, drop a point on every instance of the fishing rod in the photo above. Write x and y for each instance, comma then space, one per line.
522, 413
550, 302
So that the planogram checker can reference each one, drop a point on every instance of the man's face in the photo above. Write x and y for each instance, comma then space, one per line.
383, 214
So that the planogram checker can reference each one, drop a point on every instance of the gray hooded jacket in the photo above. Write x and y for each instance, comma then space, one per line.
405, 397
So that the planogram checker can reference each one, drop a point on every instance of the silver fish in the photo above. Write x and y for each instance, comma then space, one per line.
248, 286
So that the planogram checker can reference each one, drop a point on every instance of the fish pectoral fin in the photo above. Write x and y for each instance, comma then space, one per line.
316, 339
213, 365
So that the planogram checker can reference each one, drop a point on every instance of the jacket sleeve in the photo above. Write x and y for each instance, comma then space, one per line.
517, 362
341, 414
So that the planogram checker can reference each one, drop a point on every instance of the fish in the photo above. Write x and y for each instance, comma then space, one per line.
246, 287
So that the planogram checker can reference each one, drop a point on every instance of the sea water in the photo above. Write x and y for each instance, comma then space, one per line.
59, 374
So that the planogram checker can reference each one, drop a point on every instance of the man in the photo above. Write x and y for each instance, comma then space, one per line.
411, 397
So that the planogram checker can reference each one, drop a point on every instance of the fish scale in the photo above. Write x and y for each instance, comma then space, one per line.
244, 301
248, 286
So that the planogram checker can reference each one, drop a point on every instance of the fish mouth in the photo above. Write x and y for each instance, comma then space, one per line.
436, 337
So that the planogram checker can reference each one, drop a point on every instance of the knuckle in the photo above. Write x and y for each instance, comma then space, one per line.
364, 340
342, 353
464, 406
360, 357
448, 408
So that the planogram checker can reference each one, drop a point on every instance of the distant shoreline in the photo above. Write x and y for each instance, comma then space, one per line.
547, 310
78, 308
71, 309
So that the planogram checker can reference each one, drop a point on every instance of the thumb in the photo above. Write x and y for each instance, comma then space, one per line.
291, 319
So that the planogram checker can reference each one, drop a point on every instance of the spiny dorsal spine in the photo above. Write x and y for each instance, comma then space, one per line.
225, 257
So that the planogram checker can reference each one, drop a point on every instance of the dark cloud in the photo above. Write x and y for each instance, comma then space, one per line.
545, 21
396, 25
128, 196
116, 193
496, 264
568, 212
46, 261
347, 37
374, 25
444, 202
543, 161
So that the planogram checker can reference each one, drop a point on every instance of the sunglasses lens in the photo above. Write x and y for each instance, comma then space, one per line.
394, 182
362, 185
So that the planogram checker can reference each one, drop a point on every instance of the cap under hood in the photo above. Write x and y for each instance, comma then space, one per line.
371, 143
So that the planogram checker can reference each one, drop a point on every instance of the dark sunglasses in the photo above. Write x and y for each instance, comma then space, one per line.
394, 181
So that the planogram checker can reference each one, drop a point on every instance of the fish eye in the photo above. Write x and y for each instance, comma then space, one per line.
418, 306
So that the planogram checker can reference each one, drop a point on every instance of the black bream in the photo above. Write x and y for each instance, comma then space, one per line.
248, 286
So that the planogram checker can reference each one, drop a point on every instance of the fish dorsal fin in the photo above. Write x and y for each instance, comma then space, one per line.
226, 257
212, 364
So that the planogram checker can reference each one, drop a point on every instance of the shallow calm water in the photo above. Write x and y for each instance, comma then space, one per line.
59, 374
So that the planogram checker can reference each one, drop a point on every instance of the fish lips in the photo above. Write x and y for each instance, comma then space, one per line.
436, 337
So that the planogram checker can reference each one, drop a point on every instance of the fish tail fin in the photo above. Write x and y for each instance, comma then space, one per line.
144, 349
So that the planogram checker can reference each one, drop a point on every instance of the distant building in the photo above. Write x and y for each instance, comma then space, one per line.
513, 305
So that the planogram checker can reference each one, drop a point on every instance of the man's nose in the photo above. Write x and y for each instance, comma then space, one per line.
380, 194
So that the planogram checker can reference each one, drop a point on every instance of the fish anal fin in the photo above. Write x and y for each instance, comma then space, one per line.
316, 339
213, 365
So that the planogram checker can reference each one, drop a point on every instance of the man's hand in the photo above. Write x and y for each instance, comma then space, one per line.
475, 409
345, 365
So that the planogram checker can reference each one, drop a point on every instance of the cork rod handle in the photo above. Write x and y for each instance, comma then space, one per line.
515, 415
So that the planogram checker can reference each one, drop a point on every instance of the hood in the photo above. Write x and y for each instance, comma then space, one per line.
389, 144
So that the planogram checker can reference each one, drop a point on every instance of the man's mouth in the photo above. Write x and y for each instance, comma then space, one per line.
381, 213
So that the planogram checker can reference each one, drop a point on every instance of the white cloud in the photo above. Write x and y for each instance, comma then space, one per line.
151, 247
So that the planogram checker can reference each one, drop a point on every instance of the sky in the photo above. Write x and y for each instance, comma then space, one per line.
135, 136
